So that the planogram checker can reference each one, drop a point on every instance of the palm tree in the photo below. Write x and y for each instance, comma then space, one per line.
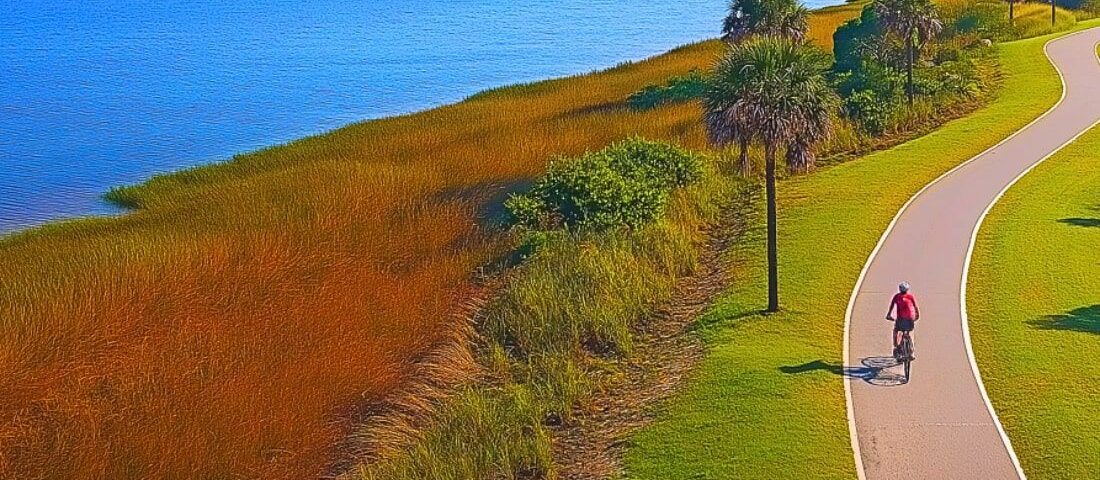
774, 90
1011, 12
726, 126
780, 18
914, 21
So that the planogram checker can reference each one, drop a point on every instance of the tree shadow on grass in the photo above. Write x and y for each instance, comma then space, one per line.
1083, 319
485, 198
873, 370
1083, 221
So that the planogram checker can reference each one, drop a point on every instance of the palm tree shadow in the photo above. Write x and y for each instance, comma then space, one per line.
1083, 319
1083, 221
873, 370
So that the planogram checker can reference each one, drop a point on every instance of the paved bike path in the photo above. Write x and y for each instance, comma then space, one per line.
940, 425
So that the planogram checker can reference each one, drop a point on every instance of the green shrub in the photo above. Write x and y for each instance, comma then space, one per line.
887, 82
960, 78
680, 88
648, 97
852, 39
626, 184
657, 163
870, 110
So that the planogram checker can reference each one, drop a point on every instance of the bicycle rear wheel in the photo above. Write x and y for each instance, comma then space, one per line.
907, 353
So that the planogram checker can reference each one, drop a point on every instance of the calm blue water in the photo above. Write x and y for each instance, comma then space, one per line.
99, 93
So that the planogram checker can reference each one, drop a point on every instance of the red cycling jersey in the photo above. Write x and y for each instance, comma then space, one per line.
906, 305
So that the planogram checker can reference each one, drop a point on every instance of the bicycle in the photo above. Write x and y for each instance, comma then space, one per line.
905, 353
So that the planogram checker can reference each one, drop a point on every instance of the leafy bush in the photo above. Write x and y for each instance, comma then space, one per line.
680, 88
852, 39
960, 78
655, 162
871, 94
887, 82
871, 111
625, 184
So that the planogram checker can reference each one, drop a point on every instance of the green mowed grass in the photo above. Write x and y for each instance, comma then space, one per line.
1035, 312
766, 402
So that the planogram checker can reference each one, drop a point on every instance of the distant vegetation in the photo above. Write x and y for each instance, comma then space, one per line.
871, 65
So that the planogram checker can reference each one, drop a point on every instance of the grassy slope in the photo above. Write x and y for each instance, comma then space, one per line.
1035, 314
741, 416
1034, 19
826, 20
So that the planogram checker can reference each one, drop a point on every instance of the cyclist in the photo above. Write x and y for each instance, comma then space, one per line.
908, 313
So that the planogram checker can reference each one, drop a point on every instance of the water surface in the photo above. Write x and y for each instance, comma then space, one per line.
100, 93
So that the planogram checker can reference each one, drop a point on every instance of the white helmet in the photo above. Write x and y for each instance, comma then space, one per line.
903, 287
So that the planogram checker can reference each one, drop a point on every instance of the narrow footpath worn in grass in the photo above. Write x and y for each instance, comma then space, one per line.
768, 402
1035, 314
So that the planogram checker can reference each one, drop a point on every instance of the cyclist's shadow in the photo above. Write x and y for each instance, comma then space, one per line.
873, 370
877, 373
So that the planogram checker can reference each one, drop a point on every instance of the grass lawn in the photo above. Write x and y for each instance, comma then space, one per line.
743, 415
1036, 257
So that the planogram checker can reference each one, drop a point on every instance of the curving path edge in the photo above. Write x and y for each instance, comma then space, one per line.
941, 424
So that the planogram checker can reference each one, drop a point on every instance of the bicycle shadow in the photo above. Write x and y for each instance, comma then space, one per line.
883, 377
873, 370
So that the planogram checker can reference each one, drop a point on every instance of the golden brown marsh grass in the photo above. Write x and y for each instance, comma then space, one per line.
826, 21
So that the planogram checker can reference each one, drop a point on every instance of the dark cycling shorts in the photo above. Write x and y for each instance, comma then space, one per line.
904, 325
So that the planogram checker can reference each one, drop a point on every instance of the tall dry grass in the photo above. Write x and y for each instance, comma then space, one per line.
249, 314
826, 20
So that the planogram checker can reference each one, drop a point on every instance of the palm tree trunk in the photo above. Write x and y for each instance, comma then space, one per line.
909, 67
1011, 13
1052, 14
743, 159
773, 256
